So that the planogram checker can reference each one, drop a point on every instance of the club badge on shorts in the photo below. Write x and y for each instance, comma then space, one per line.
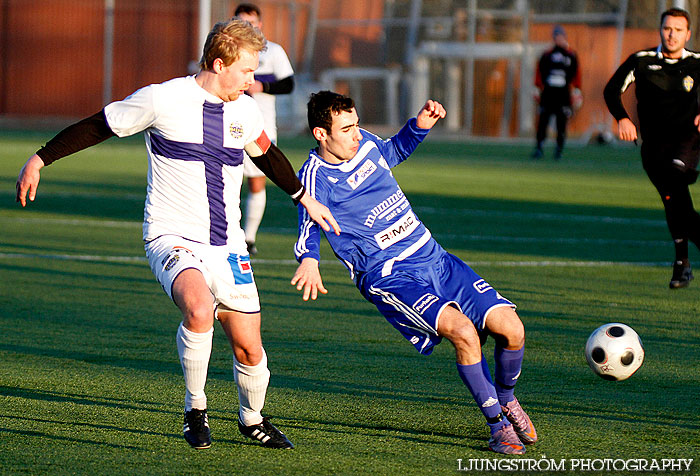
688, 83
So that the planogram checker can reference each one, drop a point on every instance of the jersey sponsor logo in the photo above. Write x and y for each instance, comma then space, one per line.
424, 302
688, 83
556, 78
399, 209
241, 296
560, 58
654, 67
482, 286
236, 130
361, 174
386, 204
397, 232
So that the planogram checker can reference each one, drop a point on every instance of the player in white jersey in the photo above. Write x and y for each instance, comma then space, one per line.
196, 129
274, 76
423, 291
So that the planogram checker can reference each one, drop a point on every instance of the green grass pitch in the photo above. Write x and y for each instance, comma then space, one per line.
90, 382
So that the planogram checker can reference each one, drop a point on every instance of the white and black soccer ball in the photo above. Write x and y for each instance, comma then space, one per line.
614, 351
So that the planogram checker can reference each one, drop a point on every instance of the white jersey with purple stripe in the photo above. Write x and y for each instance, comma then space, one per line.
379, 228
195, 150
273, 65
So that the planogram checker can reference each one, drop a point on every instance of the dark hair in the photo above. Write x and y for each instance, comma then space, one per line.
247, 8
676, 12
323, 104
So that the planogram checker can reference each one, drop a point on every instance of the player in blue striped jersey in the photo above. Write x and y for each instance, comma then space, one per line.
423, 291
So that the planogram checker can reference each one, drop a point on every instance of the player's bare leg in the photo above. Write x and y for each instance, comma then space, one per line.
458, 329
508, 331
252, 377
474, 372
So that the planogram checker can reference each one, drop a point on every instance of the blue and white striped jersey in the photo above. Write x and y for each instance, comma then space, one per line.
379, 228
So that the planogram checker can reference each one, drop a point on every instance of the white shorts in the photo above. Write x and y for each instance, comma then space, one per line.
250, 169
228, 275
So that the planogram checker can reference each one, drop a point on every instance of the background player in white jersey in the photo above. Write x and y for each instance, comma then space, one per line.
196, 129
274, 76
423, 291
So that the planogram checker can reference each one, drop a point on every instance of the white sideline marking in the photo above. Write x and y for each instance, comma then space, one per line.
291, 262
521, 239
73, 221
454, 236
542, 216
438, 211
90, 258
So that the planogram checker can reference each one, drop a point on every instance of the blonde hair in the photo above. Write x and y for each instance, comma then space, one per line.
227, 39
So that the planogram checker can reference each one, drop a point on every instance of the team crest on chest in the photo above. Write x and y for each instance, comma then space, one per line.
688, 83
236, 130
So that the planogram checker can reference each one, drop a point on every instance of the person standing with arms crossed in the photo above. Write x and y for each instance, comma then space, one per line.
558, 81
196, 129
274, 76
667, 82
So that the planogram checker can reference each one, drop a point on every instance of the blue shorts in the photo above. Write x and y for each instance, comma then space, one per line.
412, 300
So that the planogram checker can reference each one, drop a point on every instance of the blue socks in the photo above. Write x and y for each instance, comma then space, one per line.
490, 396
508, 366
483, 392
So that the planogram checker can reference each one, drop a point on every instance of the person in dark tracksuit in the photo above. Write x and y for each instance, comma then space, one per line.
667, 79
558, 81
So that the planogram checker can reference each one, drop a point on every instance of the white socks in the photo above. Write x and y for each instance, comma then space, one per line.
252, 383
254, 211
194, 350
252, 380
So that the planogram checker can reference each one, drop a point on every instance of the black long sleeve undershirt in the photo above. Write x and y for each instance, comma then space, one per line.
76, 137
95, 129
283, 86
275, 165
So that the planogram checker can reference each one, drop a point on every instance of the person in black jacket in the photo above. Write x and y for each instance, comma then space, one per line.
667, 79
558, 81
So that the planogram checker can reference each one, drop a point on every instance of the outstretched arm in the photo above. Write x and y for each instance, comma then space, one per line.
431, 112
320, 213
76, 137
402, 144
275, 165
308, 278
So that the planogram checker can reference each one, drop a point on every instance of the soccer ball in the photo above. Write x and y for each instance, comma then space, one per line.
614, 351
